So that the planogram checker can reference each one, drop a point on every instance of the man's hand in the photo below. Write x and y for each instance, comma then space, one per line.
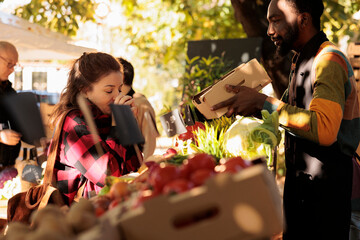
246, 102
9, 137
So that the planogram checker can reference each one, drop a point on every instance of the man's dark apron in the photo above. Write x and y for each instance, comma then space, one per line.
318, 178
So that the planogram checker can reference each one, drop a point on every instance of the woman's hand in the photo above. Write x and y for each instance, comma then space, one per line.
9, 137
122, 99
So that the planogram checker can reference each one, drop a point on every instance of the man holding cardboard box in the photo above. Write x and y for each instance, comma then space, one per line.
320, 113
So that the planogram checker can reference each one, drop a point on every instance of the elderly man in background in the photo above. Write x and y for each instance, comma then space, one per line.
9, 139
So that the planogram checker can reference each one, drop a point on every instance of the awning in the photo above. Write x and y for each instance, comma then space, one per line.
35, 42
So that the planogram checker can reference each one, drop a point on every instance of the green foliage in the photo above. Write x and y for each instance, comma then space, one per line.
59, 15
163, 27
337, 19
201, 73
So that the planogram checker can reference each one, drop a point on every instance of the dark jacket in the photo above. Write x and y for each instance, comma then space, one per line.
8, 154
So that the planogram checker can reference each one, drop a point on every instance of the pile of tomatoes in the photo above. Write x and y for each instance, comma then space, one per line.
169, 179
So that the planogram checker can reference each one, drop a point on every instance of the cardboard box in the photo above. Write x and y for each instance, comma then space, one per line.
245, 206
250, 74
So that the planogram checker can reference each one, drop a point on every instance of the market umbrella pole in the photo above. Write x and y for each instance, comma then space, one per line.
138, 153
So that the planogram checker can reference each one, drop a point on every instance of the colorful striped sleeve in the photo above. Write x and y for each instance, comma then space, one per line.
321, 122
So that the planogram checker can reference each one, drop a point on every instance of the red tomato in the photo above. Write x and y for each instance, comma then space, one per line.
184, 171
177, 186
235, 164
200, 176
200, 160
162, 175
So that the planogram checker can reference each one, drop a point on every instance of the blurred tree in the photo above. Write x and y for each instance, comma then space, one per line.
160, 29
59, 15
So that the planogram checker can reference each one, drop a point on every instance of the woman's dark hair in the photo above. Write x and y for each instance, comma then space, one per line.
314, 7
128, 71
85, 71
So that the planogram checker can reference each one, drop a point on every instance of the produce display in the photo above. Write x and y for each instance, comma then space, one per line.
196, 186
172, 175
245, 205
247, 137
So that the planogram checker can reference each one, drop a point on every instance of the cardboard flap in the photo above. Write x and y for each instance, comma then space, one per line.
251, 74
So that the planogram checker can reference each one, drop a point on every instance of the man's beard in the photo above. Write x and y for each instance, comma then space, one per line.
287, 44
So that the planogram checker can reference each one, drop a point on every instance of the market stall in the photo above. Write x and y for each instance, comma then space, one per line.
200, 188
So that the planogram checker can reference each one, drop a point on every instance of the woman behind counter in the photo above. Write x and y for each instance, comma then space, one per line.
98, 77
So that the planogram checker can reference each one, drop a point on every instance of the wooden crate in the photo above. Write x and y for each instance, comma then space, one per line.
355, 62
246, 205
353, 52
354, 49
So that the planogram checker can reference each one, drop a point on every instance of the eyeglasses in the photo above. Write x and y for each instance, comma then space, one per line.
9, 64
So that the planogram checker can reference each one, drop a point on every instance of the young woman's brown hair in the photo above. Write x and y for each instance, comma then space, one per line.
85, 71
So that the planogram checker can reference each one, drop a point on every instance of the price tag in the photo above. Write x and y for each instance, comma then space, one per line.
173, 123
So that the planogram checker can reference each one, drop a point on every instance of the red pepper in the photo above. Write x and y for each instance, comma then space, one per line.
190, 129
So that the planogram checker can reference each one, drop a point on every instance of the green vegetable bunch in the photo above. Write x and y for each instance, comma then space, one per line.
211, 140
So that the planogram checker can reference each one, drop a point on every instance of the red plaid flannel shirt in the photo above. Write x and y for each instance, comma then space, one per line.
78, 161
